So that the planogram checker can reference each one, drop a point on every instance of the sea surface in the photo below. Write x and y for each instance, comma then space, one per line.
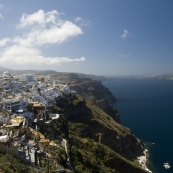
146, 107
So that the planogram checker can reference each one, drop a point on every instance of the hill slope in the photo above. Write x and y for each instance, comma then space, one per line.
96, 141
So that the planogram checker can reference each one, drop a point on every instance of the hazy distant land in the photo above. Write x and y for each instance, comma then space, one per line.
82, 75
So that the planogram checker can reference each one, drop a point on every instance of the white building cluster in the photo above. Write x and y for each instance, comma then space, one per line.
23, 102
17, 91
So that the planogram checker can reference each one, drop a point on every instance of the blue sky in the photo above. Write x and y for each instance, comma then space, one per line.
101, 37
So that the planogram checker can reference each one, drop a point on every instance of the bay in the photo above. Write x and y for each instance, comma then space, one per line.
146, 107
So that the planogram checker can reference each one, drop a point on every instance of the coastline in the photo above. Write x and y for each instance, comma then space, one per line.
143, 159
141, 99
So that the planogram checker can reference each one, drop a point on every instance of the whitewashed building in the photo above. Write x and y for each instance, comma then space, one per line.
27, 77
15, 103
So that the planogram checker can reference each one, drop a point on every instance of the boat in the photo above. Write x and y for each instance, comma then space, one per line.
166, 165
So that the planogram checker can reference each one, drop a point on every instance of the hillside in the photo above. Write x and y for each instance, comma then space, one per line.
9, 164
2, 69
96, 142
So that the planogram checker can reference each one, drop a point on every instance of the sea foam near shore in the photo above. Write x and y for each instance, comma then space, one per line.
143, 159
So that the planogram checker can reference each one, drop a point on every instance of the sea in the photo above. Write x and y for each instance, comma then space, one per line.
146, 107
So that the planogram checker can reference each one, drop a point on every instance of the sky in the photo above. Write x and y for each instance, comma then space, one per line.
100, 37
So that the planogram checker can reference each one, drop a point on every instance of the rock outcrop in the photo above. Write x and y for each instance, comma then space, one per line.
95, 92
92, 90
103, 104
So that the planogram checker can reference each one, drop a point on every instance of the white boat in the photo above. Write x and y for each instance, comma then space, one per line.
166, 165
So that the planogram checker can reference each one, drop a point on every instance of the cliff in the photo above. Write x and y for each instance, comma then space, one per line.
101, 127
92, 90
96, 140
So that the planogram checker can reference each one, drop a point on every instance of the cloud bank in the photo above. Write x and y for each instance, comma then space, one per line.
40, 28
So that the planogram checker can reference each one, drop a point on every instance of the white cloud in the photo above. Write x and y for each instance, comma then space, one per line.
39, 18
42, 28
58, 35
46, 28
82, 22
77, 19
1, 17
125, 34
21, 55
49, 35
4, 42
124, 56
1, 7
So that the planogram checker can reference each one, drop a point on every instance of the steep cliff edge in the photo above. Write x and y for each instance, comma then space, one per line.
95, 92
103, 104
92, 90
94, 110
100, 126
97, 140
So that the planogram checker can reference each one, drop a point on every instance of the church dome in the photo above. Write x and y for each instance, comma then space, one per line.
6, 74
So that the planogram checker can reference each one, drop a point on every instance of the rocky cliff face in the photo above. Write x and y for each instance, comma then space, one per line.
102, 120
93, 90
101, 127
103, 104
97, 140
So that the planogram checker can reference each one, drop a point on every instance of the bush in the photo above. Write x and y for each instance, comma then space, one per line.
9, 164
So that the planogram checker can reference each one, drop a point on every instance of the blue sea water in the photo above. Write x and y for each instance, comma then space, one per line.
146, 107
